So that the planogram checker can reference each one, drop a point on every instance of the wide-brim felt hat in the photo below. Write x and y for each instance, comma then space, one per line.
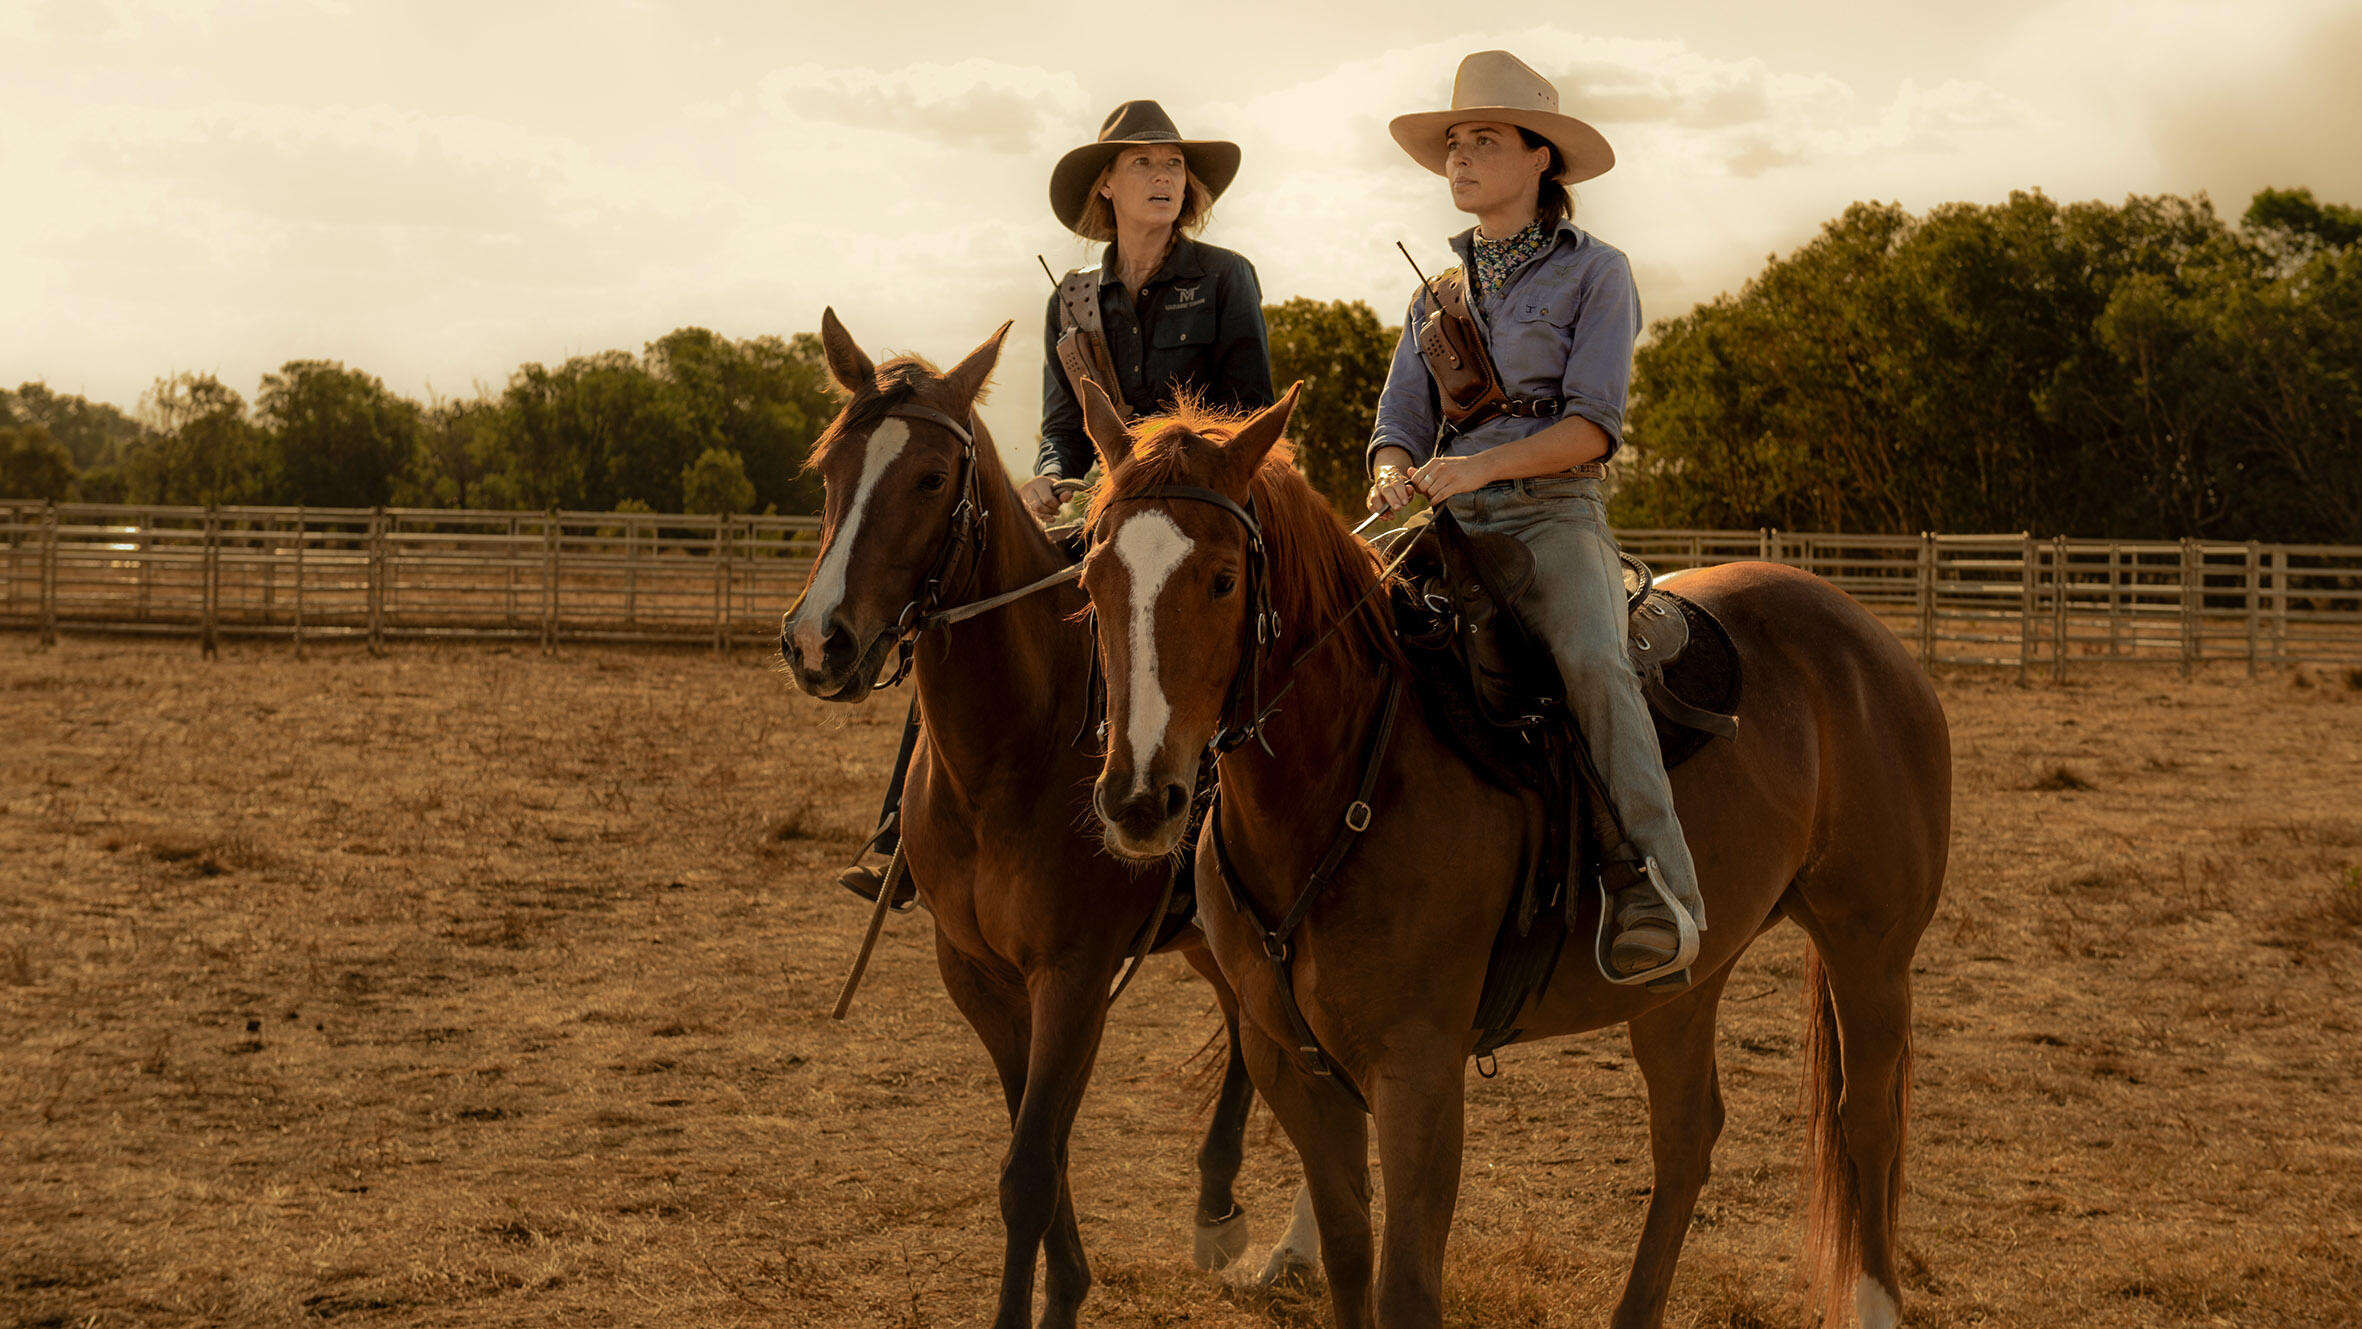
1497, 86
1213, 161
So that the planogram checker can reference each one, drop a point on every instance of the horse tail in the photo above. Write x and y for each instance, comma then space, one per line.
1833, 1195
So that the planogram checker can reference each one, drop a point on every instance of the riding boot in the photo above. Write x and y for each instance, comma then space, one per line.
866, 881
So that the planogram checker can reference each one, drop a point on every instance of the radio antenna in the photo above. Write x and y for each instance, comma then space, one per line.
1046, 270
1434, 301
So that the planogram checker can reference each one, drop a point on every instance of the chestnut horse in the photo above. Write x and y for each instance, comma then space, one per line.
1831, 808
1032, 919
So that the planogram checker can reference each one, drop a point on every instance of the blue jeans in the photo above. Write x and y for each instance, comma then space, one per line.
1576, 604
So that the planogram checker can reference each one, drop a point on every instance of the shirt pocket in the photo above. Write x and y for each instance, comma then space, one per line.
1556, 308
1189, 330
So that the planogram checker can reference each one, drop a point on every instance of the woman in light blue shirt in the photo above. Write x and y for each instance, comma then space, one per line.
1559, 313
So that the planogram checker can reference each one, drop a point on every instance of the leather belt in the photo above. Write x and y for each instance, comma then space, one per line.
1533, 408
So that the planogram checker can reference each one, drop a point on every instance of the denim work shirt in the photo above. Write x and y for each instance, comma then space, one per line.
1562, 325
1197, 326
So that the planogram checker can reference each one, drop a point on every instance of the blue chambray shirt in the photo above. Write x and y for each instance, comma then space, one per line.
1562, 325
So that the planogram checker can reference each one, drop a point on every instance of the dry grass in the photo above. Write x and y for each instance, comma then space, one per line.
466, 987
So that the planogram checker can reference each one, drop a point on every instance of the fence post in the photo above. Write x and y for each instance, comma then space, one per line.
508, 557
2025, 603
631, 571
300, 541
549, 581
2255, 605
2115, 595
2190, 603
2058, 609
1927, 599
721, 580
48, 572
376, 566
209, 590
2280, 606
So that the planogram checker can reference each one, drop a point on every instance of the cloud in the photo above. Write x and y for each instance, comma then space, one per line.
976, 103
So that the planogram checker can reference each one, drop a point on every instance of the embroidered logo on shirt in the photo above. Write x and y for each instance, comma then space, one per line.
1185, 297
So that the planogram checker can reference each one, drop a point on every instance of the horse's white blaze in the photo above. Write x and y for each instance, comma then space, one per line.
1149, 546
1873, 1306
828, 581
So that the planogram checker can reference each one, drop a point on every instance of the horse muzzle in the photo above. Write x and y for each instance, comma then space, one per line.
1145, 823
829, 662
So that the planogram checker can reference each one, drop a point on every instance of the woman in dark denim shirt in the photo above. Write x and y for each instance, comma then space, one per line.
1178, 315
1559, 313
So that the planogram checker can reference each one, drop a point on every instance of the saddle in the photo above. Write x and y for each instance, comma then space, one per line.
1492, 689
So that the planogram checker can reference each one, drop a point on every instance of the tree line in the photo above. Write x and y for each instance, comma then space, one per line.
693, 423
2142, 370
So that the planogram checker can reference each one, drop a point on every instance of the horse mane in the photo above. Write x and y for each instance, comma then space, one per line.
898, 380
1327, 575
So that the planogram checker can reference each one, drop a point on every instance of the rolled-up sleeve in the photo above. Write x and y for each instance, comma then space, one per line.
1599, 347
1243, 371
1406, 408
1066, 449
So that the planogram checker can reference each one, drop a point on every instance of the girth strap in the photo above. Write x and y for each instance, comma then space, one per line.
1278, 939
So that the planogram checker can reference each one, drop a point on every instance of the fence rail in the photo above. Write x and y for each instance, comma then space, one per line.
406, 573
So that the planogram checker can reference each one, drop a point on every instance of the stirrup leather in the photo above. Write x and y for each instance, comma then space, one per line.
1685, 947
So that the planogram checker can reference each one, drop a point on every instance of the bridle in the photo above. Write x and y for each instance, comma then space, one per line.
1243, 709
1244, 714
966, 532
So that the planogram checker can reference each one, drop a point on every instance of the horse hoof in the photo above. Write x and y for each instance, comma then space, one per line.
1221, 1242
1289, 1269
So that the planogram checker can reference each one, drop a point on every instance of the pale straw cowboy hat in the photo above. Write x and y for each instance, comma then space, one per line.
1131, 125
1497, 86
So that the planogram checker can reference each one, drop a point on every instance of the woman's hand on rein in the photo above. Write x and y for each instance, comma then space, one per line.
1040, 497
1446, 478
1390, 489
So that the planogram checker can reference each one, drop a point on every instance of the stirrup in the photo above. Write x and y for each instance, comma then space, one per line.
866, 881
1685, 927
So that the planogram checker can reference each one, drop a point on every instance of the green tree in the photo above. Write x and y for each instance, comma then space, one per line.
1341, 351
342, 439
457, 457
34, 465
2085, 368
201, 448
716, 483
95, 433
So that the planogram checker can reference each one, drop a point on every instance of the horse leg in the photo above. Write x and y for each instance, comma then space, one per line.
1674, 1044
1420, 1100
1069, 1013
1221, 1234
1332, 1139
1003, 1019
1862, 996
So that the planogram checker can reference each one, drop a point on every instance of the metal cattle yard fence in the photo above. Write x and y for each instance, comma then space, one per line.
408, 573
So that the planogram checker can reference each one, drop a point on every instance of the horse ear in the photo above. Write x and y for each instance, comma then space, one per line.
1254, 440
1105, 426
846, 364
967, 378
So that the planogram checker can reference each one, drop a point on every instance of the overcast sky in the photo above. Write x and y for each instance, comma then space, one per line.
437, 192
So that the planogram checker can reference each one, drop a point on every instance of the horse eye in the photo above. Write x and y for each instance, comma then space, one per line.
1225, 583
932, 482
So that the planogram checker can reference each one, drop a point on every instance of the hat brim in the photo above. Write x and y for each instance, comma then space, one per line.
1580, 147
1213, 161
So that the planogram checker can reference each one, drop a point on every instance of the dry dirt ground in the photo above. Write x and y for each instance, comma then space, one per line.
469, 987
